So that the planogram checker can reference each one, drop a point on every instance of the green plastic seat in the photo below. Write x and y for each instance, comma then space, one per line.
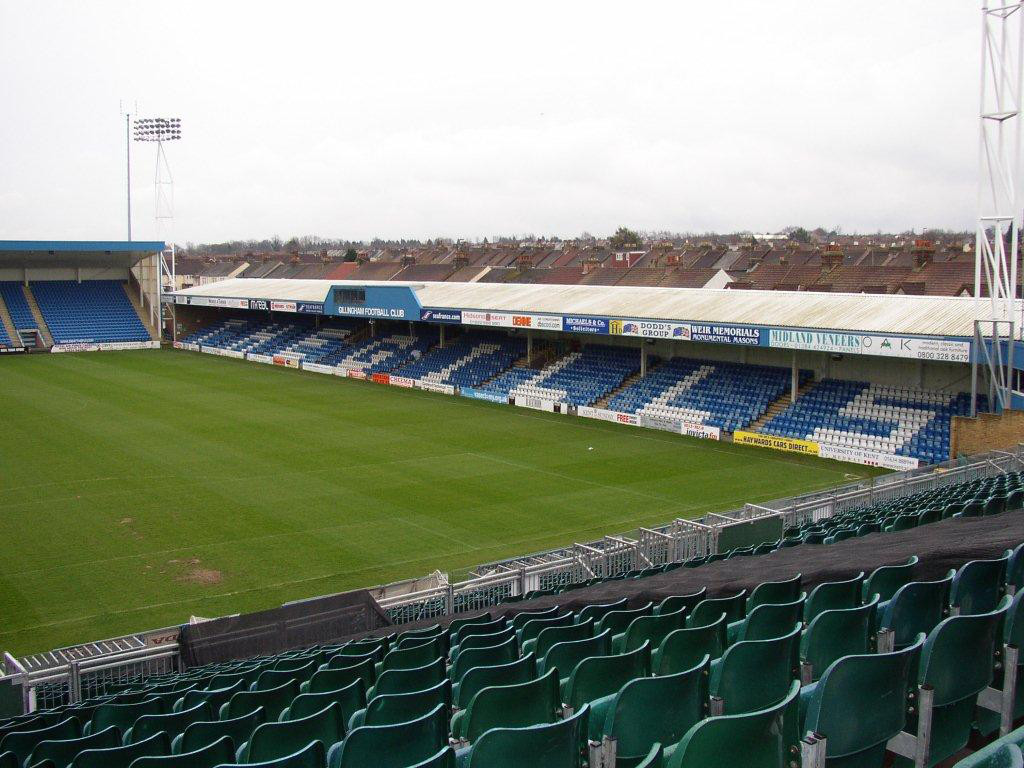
273, 701
683, 649
766, 621
423, 632
886, 580
598, 610
271, 741
1000, 754
219, 752
272, 678
215, 697
60, 752
532, 628
956, 661
9, 760
439, 638
599, 676
558, 745
917, 607
765, 738
755, 674
651, 629
904, 523
978, 585
123, 715
21, 743
509, 706
687, 603
312, 756
974, 508
651, 710
401, 707
412, 658
351, 698
618, 621
406, 680
200, 735
860, 703
548, 636
708, 610
481, 641
392, 746
477, 628
520, 619
566, 655
443, 759
836, 633
172, 723
1015, 568
655, 758
123, 756
487, 656
23, 723
834, 595
772, 592
521, 670
987, 721
995, 505
333, 678
456, 624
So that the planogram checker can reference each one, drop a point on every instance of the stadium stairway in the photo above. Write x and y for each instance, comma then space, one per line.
782, 403
41, 326
133, 299
602, 402
9, 335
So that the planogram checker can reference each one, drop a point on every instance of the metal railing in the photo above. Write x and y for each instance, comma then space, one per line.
77, 673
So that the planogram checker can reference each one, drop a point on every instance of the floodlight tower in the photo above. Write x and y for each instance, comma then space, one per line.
159, 130
998, 320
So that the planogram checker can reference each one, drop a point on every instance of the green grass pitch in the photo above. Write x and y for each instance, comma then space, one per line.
139, 488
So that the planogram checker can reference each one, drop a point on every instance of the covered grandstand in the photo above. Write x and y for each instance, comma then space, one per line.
874, 379
62, 296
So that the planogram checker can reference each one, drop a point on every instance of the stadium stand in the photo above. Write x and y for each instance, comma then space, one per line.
467, 361
904, 421
897, 656
90, 311
726, 395
325, 345
17, 306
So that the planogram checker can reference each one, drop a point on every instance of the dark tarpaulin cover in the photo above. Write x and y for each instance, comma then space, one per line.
295, 625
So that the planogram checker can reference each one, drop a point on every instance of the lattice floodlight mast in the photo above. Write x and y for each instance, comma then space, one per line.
159, 130
999, 214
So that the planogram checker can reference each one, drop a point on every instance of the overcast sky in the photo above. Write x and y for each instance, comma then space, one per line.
471, 119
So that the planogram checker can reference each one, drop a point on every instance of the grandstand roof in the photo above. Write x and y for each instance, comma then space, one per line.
75, 253
893, 314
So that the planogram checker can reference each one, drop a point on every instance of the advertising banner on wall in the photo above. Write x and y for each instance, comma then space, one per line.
661, 422
726, 334
703, 431
603, 414
318, 368
401, 381
778, 443
942, 350
540, 322
433, 386
215, 301
866, 457
356, 373
259, 304
650, 329
310, 307
536, 403
380, 378
266, 359
288, 361
500, 319
585, 324
448, 316
107, 346
479, 394
283, 306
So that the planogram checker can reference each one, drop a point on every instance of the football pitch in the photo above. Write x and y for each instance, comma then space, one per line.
140, 488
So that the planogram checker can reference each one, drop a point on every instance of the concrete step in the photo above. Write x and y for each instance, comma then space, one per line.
44, 330
8, 324
602, 402
778, 406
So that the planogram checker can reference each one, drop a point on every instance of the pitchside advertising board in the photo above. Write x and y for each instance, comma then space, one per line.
942, 350
107, 346
480, 394
499, 319
826, 451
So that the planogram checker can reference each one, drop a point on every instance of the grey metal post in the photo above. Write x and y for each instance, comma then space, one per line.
716, 706
449, 600
441, 329
974, 370
75, 682
1010, 660
886, 640
529, 347
923, 748
812, 751
794, 380
609, 750
643, 360
594, 754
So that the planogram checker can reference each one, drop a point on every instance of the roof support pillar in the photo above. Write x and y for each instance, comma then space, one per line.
643, 360
794, 380
529, 348
441, 329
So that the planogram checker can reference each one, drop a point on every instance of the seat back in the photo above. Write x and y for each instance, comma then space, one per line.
532, 628
273, 701
122, 757
916, 607
482, 641
456, 624
978, 585
199, 735
834, 595
477, 628
272, 678
21, 743
476, 679
443, 759
411, 658
487, 656
124, 715
770, 592
836, 633
708, 610
350, 698
886, 580
218, 753
551, 635
566, 655
617, 621
312, 756
765, 738
684, 648
597, 611
332, 678
521, 619
599, 676
215, 697
770, 620
513, 706
175, 722
402, 707
861, 701
393, 746
652, 629
271, 741
61, 752
558, 745
652, 710
755, 674
405, 680
687, 603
